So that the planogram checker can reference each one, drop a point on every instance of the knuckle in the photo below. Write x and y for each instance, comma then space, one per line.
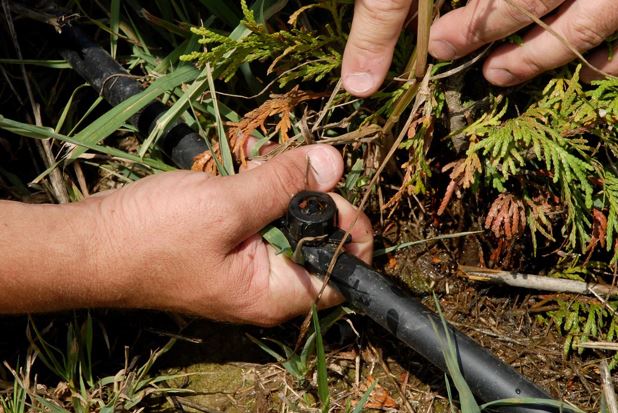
288, 178
518, 11
531, 65
385, 9
585, 34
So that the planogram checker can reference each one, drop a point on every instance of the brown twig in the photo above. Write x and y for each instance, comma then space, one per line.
597, 345
537, 282
327, 107
425, 11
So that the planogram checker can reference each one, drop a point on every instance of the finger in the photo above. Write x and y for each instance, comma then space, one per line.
583, 24
359, 227
249, 147
102, 194
602, 61
269, 288
369, 51
295, 290
286, 289
251, 143
256, 198
465, 29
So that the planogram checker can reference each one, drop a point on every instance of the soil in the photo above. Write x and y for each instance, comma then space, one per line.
233, 375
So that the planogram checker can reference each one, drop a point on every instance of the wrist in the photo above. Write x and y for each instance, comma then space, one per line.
50, 258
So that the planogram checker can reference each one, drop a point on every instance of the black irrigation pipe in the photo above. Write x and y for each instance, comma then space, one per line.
179, 141
365, 289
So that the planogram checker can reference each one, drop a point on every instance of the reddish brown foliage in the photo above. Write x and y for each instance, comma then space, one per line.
506, 217
281, 105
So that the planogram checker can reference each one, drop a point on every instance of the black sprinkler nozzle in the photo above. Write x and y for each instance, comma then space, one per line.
402, 314
311, 214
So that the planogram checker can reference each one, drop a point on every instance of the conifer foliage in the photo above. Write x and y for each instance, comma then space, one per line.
557, 156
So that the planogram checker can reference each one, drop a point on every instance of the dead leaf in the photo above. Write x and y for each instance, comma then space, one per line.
599, 231
506, 217
204, 162
281, 105
379, 397
462, 174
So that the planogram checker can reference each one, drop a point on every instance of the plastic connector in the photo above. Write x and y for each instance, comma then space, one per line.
311, 214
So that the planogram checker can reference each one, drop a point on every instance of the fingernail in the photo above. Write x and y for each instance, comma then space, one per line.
359, 83
442, 50
324, 163
501, 77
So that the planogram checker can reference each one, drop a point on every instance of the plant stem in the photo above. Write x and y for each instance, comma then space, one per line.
425, 9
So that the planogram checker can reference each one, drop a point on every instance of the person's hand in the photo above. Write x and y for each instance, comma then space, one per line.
187, 241
583, 23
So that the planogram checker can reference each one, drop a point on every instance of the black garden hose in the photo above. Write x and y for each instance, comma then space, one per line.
312, 217
179, 141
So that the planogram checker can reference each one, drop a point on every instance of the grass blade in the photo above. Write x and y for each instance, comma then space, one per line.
321, 362
532, 401
277, 239
117, 116
51, 64
224, 145
449, 349
40, 132
266, 348
196, 88
364, 399
383, 251
114, 22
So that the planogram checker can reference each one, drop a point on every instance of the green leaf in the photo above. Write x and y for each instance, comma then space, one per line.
451, 359
365, 397
40, 132
323, 392
117, 116
277, 239
398, 247
166, 119
50, 64
114, 22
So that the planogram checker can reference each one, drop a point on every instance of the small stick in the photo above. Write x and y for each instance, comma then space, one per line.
537, 282
608, 388
558, 36
425, 9
328, 106
598, 345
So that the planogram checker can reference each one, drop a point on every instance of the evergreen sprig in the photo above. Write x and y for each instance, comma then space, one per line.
557, 137
295, 54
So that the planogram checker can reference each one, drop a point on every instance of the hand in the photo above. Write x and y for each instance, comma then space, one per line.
187, 241
583, 23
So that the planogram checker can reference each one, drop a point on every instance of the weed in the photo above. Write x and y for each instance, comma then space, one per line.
79, 389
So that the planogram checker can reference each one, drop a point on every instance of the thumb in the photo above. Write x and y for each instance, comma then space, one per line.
261, 195
369, 51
